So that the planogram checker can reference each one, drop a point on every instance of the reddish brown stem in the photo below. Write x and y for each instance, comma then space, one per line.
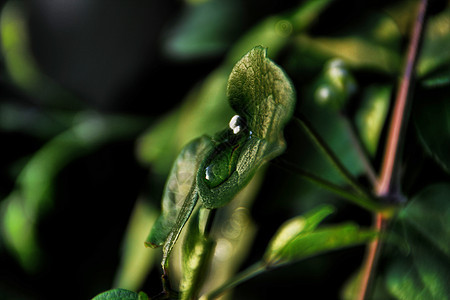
386, 185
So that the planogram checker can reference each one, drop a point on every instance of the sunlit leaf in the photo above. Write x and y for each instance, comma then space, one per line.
292, 228
260, 91
323, 240
121, 294
371, 44
136, 261
262, 95
299, 238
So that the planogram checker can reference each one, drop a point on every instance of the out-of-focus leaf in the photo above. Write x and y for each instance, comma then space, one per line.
372, 114
423, 273
292, 228
136, 261
435, 51
204, 29
334, 130
121, 294
33, 191
429, 214
274, 32
438, 78
335, 85
179, 188
20, 63
16, 117
372, 44
263, 96
154, 146
197, 250
432, 118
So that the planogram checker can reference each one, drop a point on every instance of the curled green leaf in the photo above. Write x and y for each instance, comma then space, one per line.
264, 98
216, 169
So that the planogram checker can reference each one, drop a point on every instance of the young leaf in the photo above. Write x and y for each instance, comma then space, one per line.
260, 92
298, 238
120, 294
293, 227
322, 240
263, 97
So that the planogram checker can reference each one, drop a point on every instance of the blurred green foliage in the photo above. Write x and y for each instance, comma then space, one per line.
53, 204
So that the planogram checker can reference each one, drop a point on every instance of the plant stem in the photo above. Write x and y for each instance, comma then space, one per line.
387, 184
370, 172
364, 202
245, 275
329, 154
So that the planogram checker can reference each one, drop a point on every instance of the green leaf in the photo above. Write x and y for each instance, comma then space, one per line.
369, 43
263, 96
432, 119
260, 91
423, 273
178, 190
324, 240
203, 29
293, 227
120, 294
298, 238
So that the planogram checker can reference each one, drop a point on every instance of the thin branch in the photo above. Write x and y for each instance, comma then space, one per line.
364, 202
370, 172
387, 182
245, 275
